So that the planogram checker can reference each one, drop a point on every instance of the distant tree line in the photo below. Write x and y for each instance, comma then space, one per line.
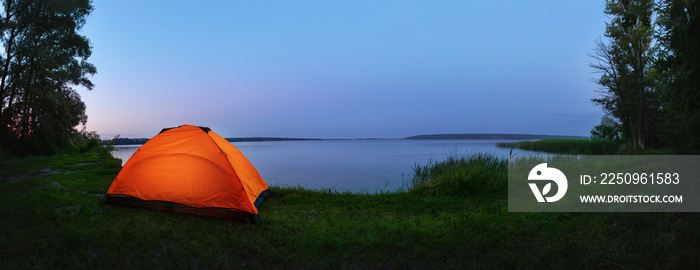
649, 66
125, 141
136, 141
42, 60
268, 139
490, 137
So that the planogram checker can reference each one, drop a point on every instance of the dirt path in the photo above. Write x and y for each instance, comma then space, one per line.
44, 172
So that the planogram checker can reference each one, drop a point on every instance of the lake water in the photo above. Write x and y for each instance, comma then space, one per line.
347, 165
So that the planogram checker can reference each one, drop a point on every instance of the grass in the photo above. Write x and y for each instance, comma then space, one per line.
462, 175
53, 218
568, 146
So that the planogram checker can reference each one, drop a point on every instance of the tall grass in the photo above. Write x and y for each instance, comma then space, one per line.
568, 146
462, 175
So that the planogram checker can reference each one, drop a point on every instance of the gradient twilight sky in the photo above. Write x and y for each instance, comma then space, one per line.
343, 69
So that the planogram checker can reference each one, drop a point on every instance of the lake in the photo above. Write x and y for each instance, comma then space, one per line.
368, 166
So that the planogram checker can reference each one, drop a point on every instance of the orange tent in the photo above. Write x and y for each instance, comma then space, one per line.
192, 170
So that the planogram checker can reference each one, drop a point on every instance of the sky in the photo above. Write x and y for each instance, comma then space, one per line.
343, 69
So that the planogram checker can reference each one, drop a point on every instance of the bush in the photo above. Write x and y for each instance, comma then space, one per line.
89, 142
608, 129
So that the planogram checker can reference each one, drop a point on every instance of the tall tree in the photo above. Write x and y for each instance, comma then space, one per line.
627, 87
43, 58
679, 62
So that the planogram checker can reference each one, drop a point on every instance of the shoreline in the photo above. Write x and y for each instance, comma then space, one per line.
475, 136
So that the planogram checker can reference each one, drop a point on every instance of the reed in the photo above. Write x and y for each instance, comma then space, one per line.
568, 146
462, 175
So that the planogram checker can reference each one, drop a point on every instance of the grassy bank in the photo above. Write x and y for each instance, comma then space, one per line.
53, 218
568, 146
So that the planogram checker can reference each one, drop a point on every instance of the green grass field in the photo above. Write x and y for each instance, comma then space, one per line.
52, 217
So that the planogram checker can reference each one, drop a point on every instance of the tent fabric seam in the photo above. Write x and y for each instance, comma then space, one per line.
229, 163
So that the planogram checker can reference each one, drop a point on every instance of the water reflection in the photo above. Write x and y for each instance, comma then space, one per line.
347, 165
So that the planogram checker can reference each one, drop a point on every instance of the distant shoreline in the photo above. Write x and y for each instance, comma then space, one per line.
494, 136
480, 136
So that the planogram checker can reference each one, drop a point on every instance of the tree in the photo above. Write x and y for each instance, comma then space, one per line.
627, 85
608, 129
679, 63
43, 58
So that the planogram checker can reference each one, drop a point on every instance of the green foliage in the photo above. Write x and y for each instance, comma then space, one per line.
609, 129
567, 146
90, 142
627, 80
679, 66
649, 75
42, 60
